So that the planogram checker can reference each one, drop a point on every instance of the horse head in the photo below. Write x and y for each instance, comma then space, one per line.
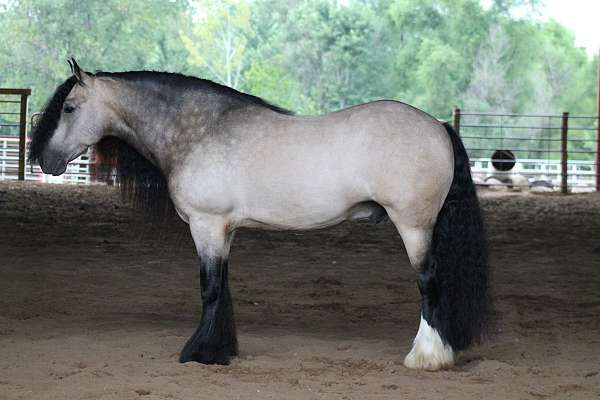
69, 123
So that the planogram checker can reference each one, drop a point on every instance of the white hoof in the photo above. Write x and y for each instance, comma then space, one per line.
429, 352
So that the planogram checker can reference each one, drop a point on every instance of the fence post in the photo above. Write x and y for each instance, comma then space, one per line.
456, 120
23, 133
598, 128
564, 156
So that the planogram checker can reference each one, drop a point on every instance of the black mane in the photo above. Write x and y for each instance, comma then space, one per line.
48, 121
185, 82
142, 183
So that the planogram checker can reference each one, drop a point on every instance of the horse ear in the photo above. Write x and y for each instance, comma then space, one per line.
79, 74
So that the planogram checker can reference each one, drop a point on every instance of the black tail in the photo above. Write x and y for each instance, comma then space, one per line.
459, 254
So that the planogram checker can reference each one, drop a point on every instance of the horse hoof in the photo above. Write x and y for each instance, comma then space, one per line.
428, 361
429, 352
203, 351
206, 356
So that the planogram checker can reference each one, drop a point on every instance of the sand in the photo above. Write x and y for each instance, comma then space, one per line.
96, 304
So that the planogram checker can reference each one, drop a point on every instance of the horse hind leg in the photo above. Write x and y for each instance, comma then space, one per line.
447, 246
429, 351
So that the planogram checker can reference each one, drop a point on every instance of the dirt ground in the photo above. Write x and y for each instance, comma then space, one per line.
95, 304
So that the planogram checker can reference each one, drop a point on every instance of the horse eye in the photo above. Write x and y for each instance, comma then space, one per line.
69, 109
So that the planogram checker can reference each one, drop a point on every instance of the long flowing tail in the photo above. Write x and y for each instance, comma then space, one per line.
459, 253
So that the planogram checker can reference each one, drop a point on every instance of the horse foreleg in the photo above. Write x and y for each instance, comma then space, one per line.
215, 341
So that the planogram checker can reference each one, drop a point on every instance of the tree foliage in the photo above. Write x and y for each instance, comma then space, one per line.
218, 40
312, 56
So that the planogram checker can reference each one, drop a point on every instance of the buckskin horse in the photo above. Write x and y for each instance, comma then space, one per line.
226, 160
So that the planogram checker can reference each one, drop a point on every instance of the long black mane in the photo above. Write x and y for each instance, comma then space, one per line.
141, 182
50, 115
185, 82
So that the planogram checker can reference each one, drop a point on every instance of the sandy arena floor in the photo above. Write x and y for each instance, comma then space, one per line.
94, 304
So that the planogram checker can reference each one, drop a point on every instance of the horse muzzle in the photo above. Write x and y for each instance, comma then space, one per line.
55, 165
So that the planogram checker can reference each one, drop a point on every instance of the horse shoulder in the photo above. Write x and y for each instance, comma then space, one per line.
201, 185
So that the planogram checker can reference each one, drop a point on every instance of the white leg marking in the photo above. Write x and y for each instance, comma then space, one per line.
429, 352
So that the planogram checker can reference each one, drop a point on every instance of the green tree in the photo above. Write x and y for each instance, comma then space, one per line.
328, 48
217, 42
436, 42
312, 56
273, 83
39, 36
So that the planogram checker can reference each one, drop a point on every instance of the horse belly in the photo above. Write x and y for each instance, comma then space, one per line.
301, 202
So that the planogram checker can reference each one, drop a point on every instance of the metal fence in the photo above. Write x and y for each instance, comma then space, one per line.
559, 151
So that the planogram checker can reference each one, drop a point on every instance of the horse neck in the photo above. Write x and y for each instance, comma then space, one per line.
145, 120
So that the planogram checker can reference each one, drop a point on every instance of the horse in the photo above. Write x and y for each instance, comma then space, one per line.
223, 160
